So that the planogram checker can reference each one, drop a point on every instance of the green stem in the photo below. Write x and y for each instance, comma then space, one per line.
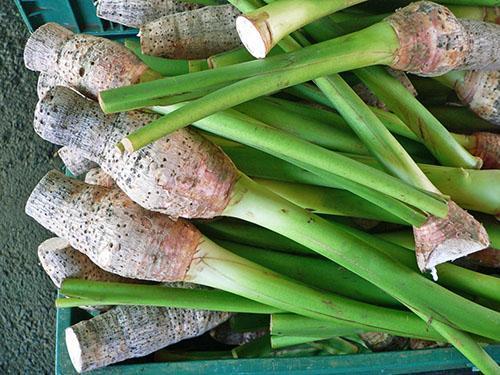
351, 52
450, 276
108, 293
461, 119
218, 268
327, 201
166, 67
434, 135
292, 325
373, 133
331, 131
232, 57
472, 189
236, 126
327, 135
263, 28
312, 93
318, 273
252, 235
348, 55
255, 204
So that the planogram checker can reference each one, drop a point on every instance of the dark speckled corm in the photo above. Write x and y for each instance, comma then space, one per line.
182, 175
27, 315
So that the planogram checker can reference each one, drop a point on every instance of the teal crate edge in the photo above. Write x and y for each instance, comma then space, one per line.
76, 15
387, 362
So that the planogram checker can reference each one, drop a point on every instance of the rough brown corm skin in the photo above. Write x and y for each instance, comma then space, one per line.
135, 13
181, 175
115, 233
488, 149
196, 34
134, 331
96, 176
84, 62
433, 41
481, 92
61, 261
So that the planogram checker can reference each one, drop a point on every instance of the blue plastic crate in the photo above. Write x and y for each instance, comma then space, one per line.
77, 15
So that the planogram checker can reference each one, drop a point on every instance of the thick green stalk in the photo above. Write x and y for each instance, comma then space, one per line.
331, 132
319, 273
232, 57
327, 201
434, 135
292, 325
166, 67
108, 293
450, 276
255, 204
472, 189
236, 126
221, 269
373, 133
347, 56
353, 47
261, 29
314, 131
397, 98
461, 119
312, 93
249, 234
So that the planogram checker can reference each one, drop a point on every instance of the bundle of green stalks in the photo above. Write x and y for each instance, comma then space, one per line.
263, 151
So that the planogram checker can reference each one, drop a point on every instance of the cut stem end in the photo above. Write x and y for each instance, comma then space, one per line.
441, 240
255, 40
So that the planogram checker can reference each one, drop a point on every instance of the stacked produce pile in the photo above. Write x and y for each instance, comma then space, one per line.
266, 171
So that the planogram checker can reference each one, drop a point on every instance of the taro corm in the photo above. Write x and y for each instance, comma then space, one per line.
91, 131
123, 238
